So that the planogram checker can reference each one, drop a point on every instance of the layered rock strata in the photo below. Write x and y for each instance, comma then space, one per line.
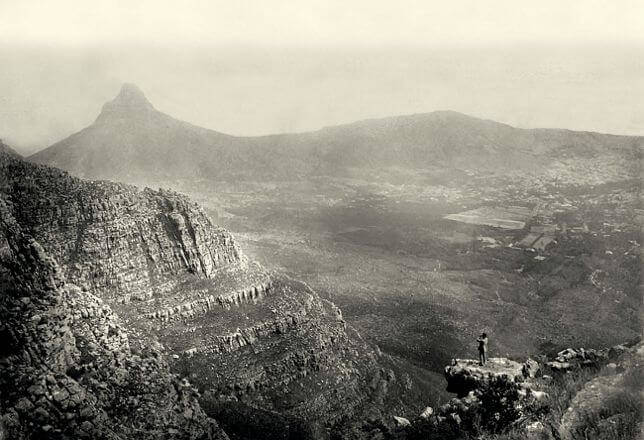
66, 367
181, 284
119, 241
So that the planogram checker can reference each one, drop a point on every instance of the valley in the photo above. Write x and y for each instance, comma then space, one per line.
422, 287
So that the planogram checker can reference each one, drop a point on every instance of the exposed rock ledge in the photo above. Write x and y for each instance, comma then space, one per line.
465, 375
473, 382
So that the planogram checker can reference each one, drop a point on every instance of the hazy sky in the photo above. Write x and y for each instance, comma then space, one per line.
255, 67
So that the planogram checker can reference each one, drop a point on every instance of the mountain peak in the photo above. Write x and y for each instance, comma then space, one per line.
131, 93
129, 102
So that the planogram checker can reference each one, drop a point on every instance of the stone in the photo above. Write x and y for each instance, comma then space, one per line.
538, 395
401, 422
535, 431
465, 375
60, 395
87, 426
427, 412
530, 368
559, 366
23, 405
616, 351
41, 415
535, 427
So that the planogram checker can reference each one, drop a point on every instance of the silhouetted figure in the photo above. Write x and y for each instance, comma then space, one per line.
482, 340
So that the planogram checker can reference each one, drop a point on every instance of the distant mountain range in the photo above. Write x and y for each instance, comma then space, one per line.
132, 141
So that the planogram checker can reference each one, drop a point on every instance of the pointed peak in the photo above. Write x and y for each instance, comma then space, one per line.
129, 102
131, 95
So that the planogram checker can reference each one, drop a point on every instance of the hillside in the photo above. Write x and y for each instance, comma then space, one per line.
4, 148
132, 141
179, 285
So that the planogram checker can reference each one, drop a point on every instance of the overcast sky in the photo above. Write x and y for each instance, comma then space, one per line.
255, 67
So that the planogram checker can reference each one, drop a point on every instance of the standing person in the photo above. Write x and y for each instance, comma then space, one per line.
482, 340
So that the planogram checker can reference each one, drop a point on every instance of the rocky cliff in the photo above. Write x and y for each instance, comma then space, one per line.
117, 240
67, 369
180, 284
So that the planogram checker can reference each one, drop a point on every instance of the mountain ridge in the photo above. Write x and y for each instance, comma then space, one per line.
132, 141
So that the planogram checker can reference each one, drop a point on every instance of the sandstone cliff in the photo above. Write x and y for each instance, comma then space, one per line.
67, 374
181, 285
117, 240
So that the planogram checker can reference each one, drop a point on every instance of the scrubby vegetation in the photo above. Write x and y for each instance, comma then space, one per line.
591, 403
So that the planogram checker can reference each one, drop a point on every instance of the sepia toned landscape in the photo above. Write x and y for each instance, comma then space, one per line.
164, 280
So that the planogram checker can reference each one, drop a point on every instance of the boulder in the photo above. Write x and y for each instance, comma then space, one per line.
465, 375
530, 368
559, 366
427, 412
401, 422
616, 351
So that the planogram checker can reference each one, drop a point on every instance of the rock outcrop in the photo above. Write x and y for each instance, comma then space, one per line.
116, 240
465, 375
571, 358
499, 389
507, 395
66, 374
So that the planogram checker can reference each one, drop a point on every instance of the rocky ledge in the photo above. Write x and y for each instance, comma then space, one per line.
508, 395
571, 358
466, 375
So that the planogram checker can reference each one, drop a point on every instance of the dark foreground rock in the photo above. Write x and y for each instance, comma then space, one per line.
465, 375
65, 374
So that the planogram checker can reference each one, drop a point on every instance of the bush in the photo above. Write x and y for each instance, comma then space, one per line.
497, 409
426, 430
619, 416
499, 406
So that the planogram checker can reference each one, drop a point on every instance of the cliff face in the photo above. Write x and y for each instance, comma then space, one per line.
113, 239
67, 370
181, 285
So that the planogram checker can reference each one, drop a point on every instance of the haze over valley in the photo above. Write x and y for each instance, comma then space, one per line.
321, 220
